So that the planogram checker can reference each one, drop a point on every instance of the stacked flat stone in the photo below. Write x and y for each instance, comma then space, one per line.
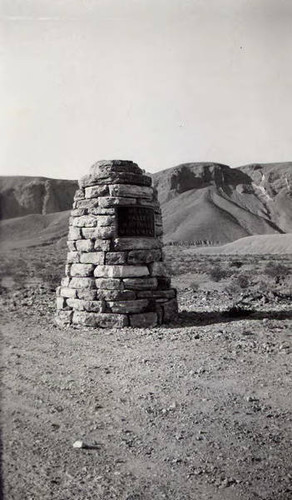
113, 280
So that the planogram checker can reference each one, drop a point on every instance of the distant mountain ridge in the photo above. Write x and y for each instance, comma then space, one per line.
23, 195
201, 202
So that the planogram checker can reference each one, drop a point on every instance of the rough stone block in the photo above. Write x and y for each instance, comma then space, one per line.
111, 201
136, 243
92, 258
72, 257
158, 269
67, 269
107, 166
77, 305
128, 190
84, 318
74, 233
63, 318
85, 305
115, 258
65, 281
81, 269
101, 320
109, 284
86, 294
140, 283
102, 245
68, 292
71, 246
120, 271
143, 256
78, 212
106, 220
61, 303
105, 233
170, 310
101, 211
85, 221
112, 320
128, 306
96, 191
82, 283
84, 245
79, 194
116, 295
88, 232
144, 320
93, 305
86, 204
115, 178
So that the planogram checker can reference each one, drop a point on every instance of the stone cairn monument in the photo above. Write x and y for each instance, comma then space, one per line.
115, 275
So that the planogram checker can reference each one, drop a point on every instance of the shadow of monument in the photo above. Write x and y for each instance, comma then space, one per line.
193, 318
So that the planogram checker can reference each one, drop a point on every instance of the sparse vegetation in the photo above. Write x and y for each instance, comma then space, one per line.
243, 281
31, 266
194, 286
236, 263
216, 347
276, 270
218, 274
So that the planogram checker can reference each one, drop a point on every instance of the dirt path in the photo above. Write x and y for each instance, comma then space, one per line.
194, 411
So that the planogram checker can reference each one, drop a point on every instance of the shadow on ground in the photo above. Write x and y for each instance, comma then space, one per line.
193, 318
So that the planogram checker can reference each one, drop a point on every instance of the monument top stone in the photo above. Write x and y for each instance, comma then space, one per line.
115, 171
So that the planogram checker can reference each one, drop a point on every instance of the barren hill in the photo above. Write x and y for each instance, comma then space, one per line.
259, 244
210, 201
34, 195
34, 230
201, 202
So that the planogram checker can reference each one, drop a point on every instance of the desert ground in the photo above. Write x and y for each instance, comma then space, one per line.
195, 410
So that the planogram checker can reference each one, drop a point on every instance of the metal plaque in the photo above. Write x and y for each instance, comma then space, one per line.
135, 221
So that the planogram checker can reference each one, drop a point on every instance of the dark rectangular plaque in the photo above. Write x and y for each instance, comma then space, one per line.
135, 221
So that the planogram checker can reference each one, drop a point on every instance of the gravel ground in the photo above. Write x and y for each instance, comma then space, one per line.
196, 410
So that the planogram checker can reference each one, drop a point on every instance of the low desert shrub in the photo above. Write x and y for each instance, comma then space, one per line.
276, 270
51, 277
16, 268
218, 274
236, 263
194, 286
243, 281
232, 289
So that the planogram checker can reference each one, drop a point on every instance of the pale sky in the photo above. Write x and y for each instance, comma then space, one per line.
160, 82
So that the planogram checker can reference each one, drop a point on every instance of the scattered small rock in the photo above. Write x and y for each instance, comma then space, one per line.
79, 444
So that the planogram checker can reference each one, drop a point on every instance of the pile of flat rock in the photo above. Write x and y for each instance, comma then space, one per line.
115, 275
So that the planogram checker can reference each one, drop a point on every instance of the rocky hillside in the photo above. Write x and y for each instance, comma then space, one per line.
201, 202
212, 202
272, 184
21, 196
